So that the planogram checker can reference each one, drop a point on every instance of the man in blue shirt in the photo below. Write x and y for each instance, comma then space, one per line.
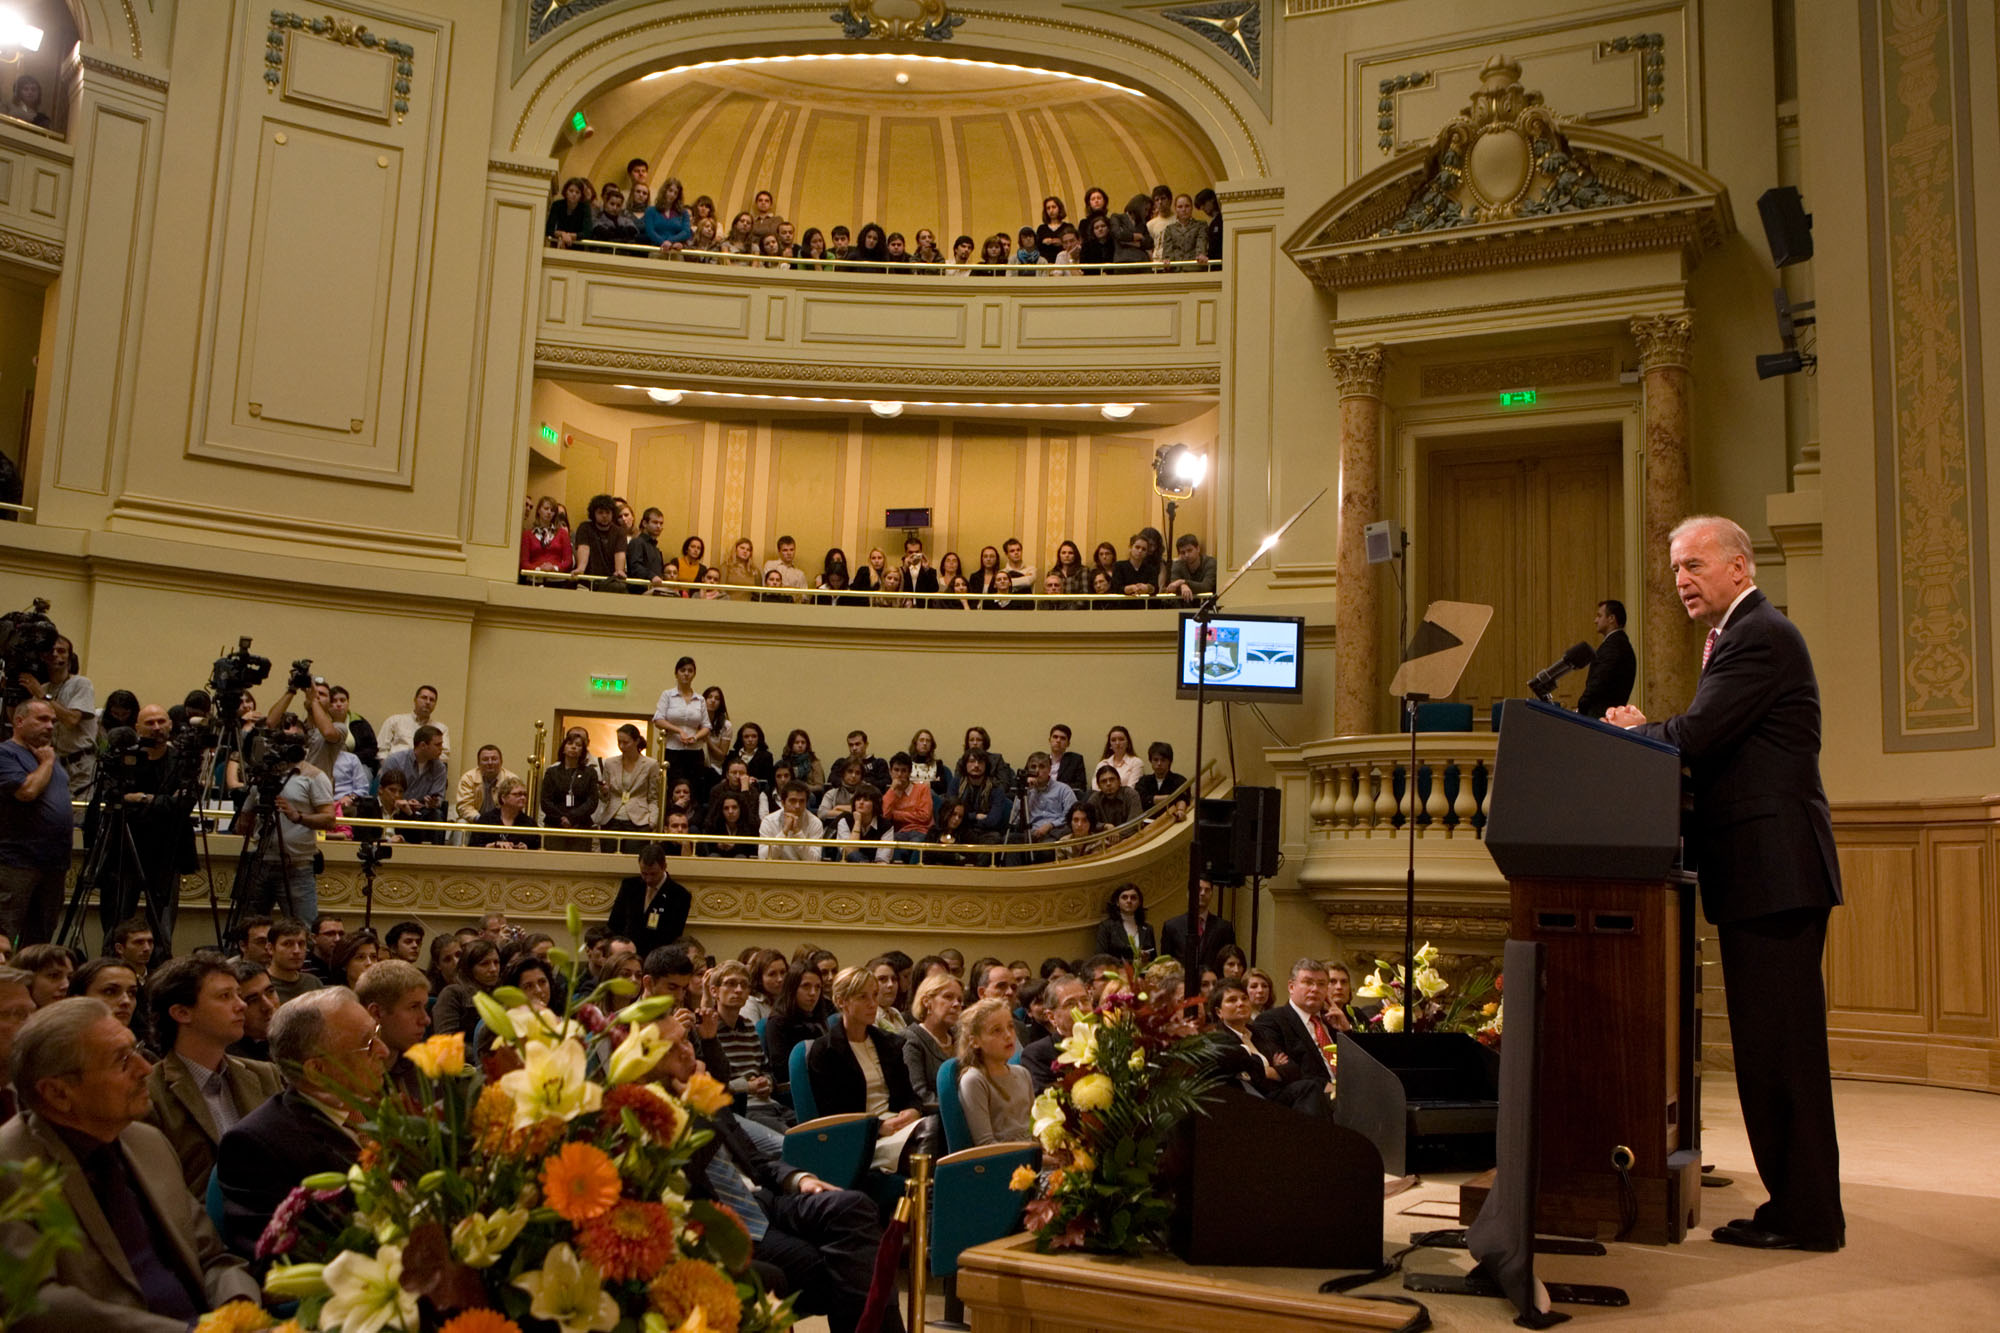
34, 826
424, 773
1045, 803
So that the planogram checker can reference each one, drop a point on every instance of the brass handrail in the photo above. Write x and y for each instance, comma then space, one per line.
906, 266
816, 595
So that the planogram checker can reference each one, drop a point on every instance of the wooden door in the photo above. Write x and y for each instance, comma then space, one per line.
1535, 531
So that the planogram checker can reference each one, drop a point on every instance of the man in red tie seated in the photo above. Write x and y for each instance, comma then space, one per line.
1294, 1038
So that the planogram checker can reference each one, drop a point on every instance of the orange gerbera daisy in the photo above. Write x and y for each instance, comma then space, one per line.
579, 1182
655, 1111
632, 1241
481, 1321
693, 1285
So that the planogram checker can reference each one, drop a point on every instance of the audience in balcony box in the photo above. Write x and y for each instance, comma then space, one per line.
570, 214
981, 579
846, 777
907, 802
1140, 574
798, 763
740, 240
704, 245
1080, 836
1048, 235
788, 572
645, 562
993, 257
918, 576
613, 223
1027, 256
740, 569
1160, 782
569, 790
638, 198
687, 568
1116, 804
961, 254
736, 777
898, 252
1068, 567
1128, 230
839, 244
788, 241
772, 248
1183, 240
949, 567
1017, 568
1192, 574
1211, 208
668, 217
628, 786
764, 219
733, 819
682, 718
871, 248
754, 751
892, 584
713, 591
721, 732
925, 766
1159, 212
27, 103
1099, 245
1068, 262
863, 827
545, 542
979, 741
1003, 584
600, 542
927, 253
942, 844
1118, 753
868, 578
505, 824
813, 246
637, 173
791, 820
986, 801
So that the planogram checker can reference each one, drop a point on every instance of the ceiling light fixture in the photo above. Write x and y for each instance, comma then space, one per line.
670, 397
960, 61
17, 34
1117, 411
882, 409
1127, 409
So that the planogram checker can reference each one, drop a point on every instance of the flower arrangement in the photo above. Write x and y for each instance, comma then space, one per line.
1132, 1070
553, 1197
31, 1195
1439, 1008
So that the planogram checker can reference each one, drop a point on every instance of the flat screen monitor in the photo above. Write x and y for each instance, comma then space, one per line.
1249, 657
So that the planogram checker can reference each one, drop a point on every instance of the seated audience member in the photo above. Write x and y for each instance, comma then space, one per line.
1238, 1055
478, 974
1003, 586
1080, 833
50, 966
1027, 257
1052, 587
16, 1004
794, 1018
767, 978
961, 257
1119, 754
822, 1240
1099, 246
1116, 804
993, 257
942, 845
1340, 1010
329, 930
764, 218
1103, 559
754, 752
443, 969
328, 1046
906, 803
791, 820
893, 586
613, 222
289, 978
198, 1090
986, 802
739, 240
833, 564
874, 769
891, 974
899, 253
837, 801
569, 790
994, 1094
733, 819
117, 985
1192, 575
397, 995
505, 825
570, 214
839, 244
1068, 260
1262, 991
812, 246
772, 248
1064, 997
750, 1078
925, 766
737, 778
651, 908
1161, 783
424, 775
260, 1001
706, 246
356, 954
861, 832
628, 785
926, 253
871, 250
1047, 801
1296, 1037
799, 763
857, 1066
1139, 574
997, 767
479, 787
930, 1040
147, 1258
1123, 932
645, 563
1066, 764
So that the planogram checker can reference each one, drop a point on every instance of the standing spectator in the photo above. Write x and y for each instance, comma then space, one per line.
284, 863
789, 574
1192, 575
1207, 203
613, 222
899, 251
918, 576
324, 739
1099, 245
645, 562
198, 1089
569, 789
1129, 233
682, 717
869, 577
838, 246
1022, 574
74, 700
479, 788
1027, 257
687, 567
874, 770
813, 246
361, 740
27, 103
1048, 236
926, 254
721, 735
1140, 574
764, 219
629, 784
993, 257
1123, 933
871, 248
570, 214
1213, 935
545, 543
1183, 241
399, 732
600, 543
741, 240
638, 173
1159, 214
666, 219
35, 826
651, 909
1068, 262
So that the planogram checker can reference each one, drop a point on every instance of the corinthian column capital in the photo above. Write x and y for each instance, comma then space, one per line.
1663, 339
1359, 369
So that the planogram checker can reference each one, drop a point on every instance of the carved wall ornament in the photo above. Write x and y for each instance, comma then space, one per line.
1360, 370
47, 254
897, 20
1385, 105
343, 33
1652, 49
1596, 365
110, 70
1663, 339
545, 16
521, 169
564, 354
1234, 27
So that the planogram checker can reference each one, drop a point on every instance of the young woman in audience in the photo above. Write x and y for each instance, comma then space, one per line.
688, 567
1237, 1054
703, 210
621, 510
1082, 839
1183, 242
949, 567
1003, 585
1048, 236
794, 1018
929, 1041
1134, 244
871, 248
682, 717
1069, 568
1235, 964
545, 546
509, 820
627, 784
961, 603
993, 257
994, 1094
798, 763
666, 220
479, 974
1258, 985
981, 579
925, 766
1099, 247
712, 589
868, 578
774, 588
680, 797
741, 569
942, 845
837, 802
1119, 754
767, 981
1027, 258
569, 790
355, 954
445, 950
111, 981
721, 735
858, 1067
740, 240
1123, 933
706, 245
892, 586
773, 251
863, 828
570, 214
978, 740
813, 246
732, 820
834, 562
1104, 560
736, 777
889, 979
1141, 573
828, 967
754, 753
927, 252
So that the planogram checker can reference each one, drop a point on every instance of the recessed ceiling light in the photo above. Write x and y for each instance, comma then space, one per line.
886, 409
668, 396
1117, 411
902, 76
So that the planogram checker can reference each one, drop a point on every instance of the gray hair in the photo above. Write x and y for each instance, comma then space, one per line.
26, 706
298, 1029
50, 1044
1306, 965
388, 981
1728, 534
14, 976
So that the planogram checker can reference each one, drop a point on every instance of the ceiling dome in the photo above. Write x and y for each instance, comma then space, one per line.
959, 147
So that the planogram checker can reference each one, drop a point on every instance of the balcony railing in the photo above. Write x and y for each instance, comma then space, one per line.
35, 170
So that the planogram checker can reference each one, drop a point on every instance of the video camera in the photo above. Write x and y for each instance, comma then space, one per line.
26, 640
233, 673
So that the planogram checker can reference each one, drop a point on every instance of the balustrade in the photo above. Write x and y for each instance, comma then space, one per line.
1355, 788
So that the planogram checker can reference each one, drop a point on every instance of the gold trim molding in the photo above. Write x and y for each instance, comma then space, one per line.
33, 249
597, 358
124, 74
1367, 921
1451, 379
1664, 340
520, 169
1248, 196
1361, 371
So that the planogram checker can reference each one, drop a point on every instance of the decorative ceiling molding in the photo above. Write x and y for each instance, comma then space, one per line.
1234, 27
896, 20
32, 249
545, 16
715, 369
1452, 379
1510, 182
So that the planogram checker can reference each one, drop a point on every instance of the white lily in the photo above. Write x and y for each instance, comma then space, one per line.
1047, 1113
1373, 987
1428, 955
1080, 1046
635, 1056
480, 1239
368, 1293
1430, 984
542, 1024
569, 1293
553, 1083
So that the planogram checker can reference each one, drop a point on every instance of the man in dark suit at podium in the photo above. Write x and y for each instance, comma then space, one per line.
1763, 842
1614, 670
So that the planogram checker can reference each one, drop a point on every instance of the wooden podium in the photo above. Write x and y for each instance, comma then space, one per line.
1585, 824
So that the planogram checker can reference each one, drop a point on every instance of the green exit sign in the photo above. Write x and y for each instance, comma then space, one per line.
548, 432
580, 123
607, 684
1517, 398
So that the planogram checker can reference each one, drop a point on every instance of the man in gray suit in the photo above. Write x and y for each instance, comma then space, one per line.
149, 1262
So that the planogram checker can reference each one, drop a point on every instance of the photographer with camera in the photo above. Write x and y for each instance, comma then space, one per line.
424, 775
35, 826
324, 738
302, 795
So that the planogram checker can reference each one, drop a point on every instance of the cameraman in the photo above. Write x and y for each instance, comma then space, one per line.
324, 738
161, 832
304, 802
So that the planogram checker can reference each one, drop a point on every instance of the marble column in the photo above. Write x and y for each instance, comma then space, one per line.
1671, 657
1357, 643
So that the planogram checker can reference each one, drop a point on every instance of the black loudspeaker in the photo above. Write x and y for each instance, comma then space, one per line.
1239, 838
1787, 225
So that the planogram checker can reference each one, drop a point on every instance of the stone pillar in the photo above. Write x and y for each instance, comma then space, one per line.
1357, 642
1667, 668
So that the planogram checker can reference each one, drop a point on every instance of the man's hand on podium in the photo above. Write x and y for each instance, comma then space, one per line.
1624, 715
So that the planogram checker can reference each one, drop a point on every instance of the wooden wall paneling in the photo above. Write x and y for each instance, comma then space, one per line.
1477, 557
1960, 870
1878, 954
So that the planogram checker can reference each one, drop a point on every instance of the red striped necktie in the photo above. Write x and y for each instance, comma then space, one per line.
1708, 647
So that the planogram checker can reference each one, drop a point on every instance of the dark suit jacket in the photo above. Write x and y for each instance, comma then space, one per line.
1071, 774
838, 1084
1280, 1031
180, 1113
1112, 939
265, 1157
632, 908
1038, 1057
93, 1286
1613, 672
1216, 936
1762, 835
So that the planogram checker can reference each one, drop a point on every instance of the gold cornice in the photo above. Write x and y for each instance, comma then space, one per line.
520, 169
32, 249
598, 358
1246, 196
1449, 379
1664, 340
98, 65
1360, 370
132, 28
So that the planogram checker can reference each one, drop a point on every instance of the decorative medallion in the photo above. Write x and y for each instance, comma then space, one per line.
1235, 27
343, 33
897, 20
545, 16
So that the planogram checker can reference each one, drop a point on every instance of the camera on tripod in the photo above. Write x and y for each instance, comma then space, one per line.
233, 673
26, 640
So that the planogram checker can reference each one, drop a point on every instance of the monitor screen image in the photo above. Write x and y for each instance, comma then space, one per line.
1249, 657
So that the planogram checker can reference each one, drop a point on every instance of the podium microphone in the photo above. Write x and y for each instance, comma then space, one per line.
1578, 656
